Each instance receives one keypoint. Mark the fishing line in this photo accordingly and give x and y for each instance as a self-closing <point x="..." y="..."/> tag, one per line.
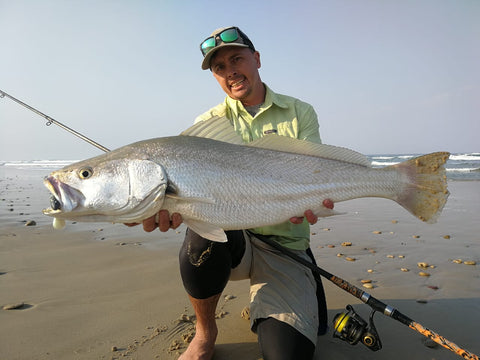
<point x="51" y="121"/>
<point x="348" y="326"/>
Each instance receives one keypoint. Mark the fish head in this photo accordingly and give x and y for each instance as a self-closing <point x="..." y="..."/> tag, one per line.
<point x="106" y="189"/>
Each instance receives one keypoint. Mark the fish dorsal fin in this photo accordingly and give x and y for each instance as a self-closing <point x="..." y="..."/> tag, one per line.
<point x="304" y="147"/>
<point x="221" y="128"/>
<point x="217" y="128"/>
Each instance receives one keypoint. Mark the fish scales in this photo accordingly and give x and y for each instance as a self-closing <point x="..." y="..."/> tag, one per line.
<point x="253" y="186"/>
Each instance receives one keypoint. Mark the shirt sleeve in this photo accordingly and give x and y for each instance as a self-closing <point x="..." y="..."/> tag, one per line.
<point x="219" y="110"/>
<point x="308" y="124"/>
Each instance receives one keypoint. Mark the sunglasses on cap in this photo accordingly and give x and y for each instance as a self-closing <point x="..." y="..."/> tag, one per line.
<point x="229" y="35"/>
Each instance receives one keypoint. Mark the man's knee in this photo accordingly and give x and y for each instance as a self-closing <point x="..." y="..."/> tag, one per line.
<point x="205" y="265"/>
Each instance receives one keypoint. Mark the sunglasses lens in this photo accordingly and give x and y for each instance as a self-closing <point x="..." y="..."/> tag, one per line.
<point x="208" y="45"/>
<point x="229" y="35"/>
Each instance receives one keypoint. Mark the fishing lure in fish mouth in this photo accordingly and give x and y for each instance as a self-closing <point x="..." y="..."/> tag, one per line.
<point x="58" y="224"/>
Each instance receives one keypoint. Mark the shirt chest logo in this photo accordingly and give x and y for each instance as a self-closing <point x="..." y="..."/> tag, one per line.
<point x="271" y="131"/>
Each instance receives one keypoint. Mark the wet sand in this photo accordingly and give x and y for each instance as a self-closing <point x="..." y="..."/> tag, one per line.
<point x="103" y="291"/>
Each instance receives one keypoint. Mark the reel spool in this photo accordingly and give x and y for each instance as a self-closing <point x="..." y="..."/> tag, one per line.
<point x="350" y="327"/>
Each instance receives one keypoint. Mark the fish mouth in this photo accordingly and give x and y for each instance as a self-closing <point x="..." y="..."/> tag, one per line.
<point x="64" y="198"/>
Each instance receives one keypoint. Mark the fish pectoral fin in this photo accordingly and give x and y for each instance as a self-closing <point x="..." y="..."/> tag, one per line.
<point x="206" y="230"/>
<point x="324" y="212"/>
<point x="191" y="199"/>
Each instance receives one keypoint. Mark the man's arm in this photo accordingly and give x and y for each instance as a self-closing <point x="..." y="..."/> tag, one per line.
<point x="308" y="124"/>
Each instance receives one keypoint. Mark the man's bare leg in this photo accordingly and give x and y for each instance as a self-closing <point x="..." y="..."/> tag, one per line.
<point x="203" y="344"/>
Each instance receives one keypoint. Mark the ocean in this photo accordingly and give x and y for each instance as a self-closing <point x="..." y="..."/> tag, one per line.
<point x="462" y="166"/>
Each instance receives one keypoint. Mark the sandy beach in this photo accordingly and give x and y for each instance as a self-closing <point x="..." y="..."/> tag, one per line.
<point x="103" y="291"/>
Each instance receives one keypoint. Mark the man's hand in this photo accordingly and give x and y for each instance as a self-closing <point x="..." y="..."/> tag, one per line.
<point x="311" y="217"/>
<point x="165" y="222"/>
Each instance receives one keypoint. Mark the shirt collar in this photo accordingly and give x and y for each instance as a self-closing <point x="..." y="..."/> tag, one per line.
<point x="270" y="99"/>
<point x="273" y="98"/>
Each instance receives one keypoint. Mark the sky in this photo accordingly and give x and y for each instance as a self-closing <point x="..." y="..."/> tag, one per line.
<point x="384" y="76"/>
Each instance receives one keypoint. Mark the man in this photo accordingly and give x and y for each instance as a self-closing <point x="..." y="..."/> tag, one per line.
<point x="287" y="304"/>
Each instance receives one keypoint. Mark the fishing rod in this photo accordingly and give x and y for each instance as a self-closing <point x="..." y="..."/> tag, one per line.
<point x="349" y="326"/>
<point x="51" y="121"/>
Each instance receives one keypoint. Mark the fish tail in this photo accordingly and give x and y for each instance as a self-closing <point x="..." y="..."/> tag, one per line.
<point x="425" y="193"/>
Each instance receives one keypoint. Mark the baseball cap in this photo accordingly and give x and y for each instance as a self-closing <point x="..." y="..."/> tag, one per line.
<point x="220" y="38"/>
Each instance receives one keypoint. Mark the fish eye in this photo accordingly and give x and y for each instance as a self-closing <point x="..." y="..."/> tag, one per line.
<point x="85" y="173"/>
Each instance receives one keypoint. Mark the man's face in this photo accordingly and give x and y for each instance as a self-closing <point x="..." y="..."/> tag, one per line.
<point x="236" y="70"/>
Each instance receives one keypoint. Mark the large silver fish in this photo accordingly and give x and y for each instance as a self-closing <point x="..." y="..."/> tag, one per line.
<point x="218" y="183"/>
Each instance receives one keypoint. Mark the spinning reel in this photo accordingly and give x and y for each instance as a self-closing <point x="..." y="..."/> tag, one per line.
<point x="350" y="327"/>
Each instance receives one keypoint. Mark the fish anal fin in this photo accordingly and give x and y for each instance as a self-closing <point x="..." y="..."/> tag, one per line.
<point x="206" y="231"/>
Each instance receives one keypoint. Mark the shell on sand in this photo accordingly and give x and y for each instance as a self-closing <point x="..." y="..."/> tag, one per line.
<point x="245" y="314"/>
